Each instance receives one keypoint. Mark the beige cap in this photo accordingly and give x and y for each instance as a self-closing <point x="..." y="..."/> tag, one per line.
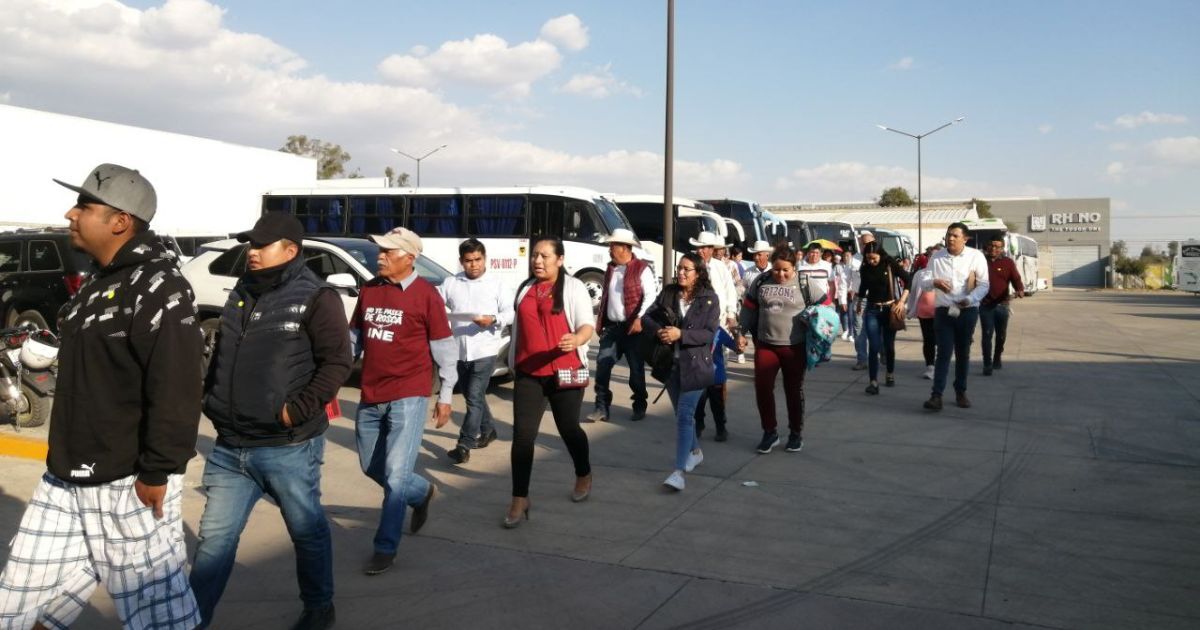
<point x="400" y="238"/>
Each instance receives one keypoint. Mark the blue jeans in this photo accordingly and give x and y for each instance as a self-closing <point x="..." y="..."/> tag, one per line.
<point x="685" y="422"/>
<point x="389" y="438"/>
<point x="860" y="337"/>
<point x="881" y="339"/>
<point x="234" y="480"/>
<point x="954" y="334"/>
<point x="993" y="318"/>
<point x="615" y="342"/>
<point x="473" y="378"/>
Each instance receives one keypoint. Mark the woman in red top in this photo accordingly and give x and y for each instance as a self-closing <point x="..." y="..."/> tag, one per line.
<point x="548" y="350"/>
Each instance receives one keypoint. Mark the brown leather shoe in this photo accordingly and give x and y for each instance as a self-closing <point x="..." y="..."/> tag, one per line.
<point x="962" y="400"/>
<point x="934" y="403"/>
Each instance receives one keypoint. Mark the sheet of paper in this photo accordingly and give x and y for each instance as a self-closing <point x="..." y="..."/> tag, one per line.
<point x="463" y="317"/>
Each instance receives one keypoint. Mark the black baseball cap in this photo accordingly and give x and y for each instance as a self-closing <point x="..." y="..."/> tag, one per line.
<point x="271" y="227"/>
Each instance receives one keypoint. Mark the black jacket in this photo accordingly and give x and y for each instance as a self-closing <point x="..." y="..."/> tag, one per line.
<point x="128" y="394"/>
<point x="698" y="328"/>
<point x="283" y="340"/>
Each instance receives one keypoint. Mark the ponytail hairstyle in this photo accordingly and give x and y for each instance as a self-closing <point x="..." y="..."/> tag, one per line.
<point x="562" y="272"/>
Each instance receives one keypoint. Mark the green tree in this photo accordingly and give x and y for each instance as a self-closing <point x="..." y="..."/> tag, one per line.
<point x="1118" y="249"/>
<point x="895" y="196"/>
<point x="983" y="208"/>
<point x="399" y="181"/>
<point x="1148" y="252"/>
<point x="1173" y="249"/>
<point x="1131" y="269"/>
<point x="331" y="158"/>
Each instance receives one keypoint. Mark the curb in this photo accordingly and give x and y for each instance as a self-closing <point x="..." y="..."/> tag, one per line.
<point x="26" y="448"/>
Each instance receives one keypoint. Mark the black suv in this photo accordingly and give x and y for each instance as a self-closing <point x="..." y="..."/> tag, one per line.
<point x="39" y="272"/>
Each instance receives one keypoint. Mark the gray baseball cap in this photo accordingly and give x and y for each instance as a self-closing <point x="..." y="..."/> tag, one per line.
<point x="122" y="188"/>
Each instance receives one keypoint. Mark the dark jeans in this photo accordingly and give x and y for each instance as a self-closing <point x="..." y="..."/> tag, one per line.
<point x="615" y="342"/>
<point x="473" y="378"/>
<point x="954" y="335"/>
<point x="993" y="318"/>
<point x="530" y="394"/>
<point x="234" y="480"/>
<point x="881" y="339"/>
<point x="769" y="360"/>
<point x="715" y="396"/>
<point x="928" y="340"/>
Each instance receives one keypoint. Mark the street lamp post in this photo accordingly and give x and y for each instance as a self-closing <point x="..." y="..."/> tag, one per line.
<point x="418" y="160"/>
<point x="920" y="198"/>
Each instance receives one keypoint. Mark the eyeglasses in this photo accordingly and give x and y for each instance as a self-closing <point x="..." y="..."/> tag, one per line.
<point x="685" y="270"/>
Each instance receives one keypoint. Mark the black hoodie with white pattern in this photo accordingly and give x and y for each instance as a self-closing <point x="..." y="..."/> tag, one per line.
<point x="129" y="375"/>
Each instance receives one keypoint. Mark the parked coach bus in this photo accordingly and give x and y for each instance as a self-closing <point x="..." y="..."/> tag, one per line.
<point x="645" y="213"/>
<point x="757" y="224"/>
<point x="503" y="218"/>
<point x="1022" y="249"/>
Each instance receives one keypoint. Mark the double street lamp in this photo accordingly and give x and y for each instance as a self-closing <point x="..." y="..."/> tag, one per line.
<point x="917" y="137"/>
<point x="418" y="160"/>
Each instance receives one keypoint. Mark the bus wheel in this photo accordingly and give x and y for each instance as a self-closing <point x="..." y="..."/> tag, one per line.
<point x="594" y="281"/>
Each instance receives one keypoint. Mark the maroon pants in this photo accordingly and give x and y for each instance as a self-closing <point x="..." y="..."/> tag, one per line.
<point x="768" y="361"/>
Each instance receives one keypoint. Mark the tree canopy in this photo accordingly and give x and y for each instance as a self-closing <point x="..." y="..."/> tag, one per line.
<point x="331" y="158"/>
<point x="895" y="196"/>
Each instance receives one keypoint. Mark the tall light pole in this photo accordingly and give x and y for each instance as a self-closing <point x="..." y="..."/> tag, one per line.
<point x="920" y="198"/>
<point x="418" y="160"/>
<point x="668" y="262"/>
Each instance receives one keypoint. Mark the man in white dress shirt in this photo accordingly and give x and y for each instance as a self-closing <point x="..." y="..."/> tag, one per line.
<point x="704" y="244"/>
<point x="480" y="306"/>
<point x="960" y="279"/>
<point x="629" y="291"/>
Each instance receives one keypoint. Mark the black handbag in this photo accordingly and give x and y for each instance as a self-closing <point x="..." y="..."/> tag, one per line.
<point x="658" y="356"/>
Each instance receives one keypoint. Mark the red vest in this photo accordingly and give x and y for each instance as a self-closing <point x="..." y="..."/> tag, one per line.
<point x="632" y="289"/>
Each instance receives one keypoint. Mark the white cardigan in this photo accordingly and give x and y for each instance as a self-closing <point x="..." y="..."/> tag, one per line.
<point x="577" y="306"/>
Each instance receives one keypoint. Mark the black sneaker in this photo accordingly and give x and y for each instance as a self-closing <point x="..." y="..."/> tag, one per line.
<point x="769" y="441"/>
<point x="484" y="440"/>
<point x="638" y="414"/>
<point x="987" y="370"/>
<point x="872" y="389"/>
<point x="794" y="443"/>
<point x="421" y="512"/>
<point x="997" y="364"/>
<point x="379" y="563"/>
<point x="460" y="455"/>
<point x="722" y="435"/>
<point x="316" y="619"/>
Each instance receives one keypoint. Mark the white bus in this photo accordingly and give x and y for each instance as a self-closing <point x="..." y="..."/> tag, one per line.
<point x="504" y="218"/>
<point x="1022" y="249"/>
<point x="645" y="213"/>
<point x="756" y="223"/>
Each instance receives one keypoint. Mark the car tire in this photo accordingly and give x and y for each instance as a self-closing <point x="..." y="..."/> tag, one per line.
<point x="38" y="408"/>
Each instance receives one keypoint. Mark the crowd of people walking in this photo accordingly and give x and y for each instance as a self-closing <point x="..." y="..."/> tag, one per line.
<point x="129" y="398"/>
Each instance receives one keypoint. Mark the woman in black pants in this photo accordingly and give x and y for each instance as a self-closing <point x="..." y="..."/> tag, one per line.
<point x="884" y="290"/>
<point x="548" y="352"/>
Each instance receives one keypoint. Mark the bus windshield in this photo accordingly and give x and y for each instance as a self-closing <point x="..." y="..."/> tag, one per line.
<point x="741" y="212"/>
<point x="836" y="232"/>
<point x="611" y="216"/>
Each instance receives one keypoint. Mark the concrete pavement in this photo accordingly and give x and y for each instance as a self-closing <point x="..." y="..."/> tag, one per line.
<point x="1068" y="496"/>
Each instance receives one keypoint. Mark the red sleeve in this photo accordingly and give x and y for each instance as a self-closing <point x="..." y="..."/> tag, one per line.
<point x="439" y="322"/>
<point x="1015" y="276"/>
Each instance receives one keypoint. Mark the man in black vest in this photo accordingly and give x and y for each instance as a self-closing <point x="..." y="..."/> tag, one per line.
<point x="281" y="355"/>
<point x="629" y="290"/>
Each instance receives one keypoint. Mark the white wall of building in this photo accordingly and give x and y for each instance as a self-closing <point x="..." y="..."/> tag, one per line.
<point x="204" y="186"/>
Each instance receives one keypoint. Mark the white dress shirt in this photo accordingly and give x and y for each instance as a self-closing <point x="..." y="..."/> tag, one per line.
<point x="616" y="294"/>
<point x="485" y="295"/>
<point x="722" y="282"/>
<point x="753" y="273"/>
<point x="957" y="269"/>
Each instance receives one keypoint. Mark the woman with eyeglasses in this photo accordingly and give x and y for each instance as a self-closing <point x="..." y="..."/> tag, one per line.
<point x="686" y="316"/>
<point x="548" y="349"/>
<point x="883" y="289"/>
<point x="771" y="314"/>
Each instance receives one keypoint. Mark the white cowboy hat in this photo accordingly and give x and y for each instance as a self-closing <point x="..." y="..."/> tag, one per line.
<point x="760" y="246"/>
<point x="626" y="237"/>
<point x="706" y="239"/>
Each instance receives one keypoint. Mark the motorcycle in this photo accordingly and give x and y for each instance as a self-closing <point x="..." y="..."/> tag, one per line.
<point x="27" y="375"/>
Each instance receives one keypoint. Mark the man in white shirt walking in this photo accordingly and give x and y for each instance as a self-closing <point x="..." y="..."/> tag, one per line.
<point x="480" y="306"/>
<point x="761" y="262"/>
<point x="722" y="281"/>
<point x="629" y="290"/>
<point x="819" y="272"/>
<point x="960" y="279"/>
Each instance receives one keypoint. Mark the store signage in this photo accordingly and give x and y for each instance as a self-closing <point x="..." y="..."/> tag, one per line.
<point x="1065" y="222"/>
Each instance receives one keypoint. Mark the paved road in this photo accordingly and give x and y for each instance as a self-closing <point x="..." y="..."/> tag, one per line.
<point x="1069" y="496"/>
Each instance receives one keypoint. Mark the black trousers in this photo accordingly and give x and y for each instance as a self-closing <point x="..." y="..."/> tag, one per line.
<point x="530" y="394"/>
<point x="715" y="396"/>
<point x="928" y="340"/>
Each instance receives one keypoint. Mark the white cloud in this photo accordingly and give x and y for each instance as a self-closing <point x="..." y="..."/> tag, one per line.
<point x="1116" y="171"/>
<point x="1133" y="121"/>
<point x="848" y="181"/>
<point x="904" y="63"/>
<point x="1183" y="151"/>
<point x="182" y="23"/>
<point x="598" y="84"/>
<point x="567" y="31"/>
<point x="484" y="60"/>
<point x="1045" y="128"/>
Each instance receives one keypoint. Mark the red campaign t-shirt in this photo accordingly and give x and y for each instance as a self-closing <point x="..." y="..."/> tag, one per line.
<point x="395" y="327"/>
<point x="540" y="330"/>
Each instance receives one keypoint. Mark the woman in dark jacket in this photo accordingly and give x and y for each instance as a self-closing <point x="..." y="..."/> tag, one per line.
<point x="884" y="289"/>
<point x="686" y="316"/>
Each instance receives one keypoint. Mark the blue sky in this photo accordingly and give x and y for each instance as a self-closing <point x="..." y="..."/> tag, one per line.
<point x="775" y="101"/>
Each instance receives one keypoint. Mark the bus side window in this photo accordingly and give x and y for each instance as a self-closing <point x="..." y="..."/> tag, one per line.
<point x="321" y="215"/>
<point x="579" y="225"/>
<point x="435" y="215"/>
<point x="278" y="204"/>
<point x="496" y="216"/>
<point x="546" y="217"/>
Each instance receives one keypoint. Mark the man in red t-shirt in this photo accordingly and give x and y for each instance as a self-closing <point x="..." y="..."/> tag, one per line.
<point x="993" y="308"/>
<point x="401" y="326"/>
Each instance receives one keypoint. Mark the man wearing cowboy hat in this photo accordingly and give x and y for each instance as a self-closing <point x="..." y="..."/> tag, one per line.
<point x="722" y="280"/>
<point x="762" y="261"/>
<point x="629" y="290"/>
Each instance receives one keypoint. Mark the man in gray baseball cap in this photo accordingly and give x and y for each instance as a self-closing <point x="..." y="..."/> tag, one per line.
<point x="119" y="187"/>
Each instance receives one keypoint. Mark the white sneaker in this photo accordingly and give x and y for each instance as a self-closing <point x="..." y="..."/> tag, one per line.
<point x="845" y="333"/>
<point x="693" y="460"/>
<point x="675" y="481"/>
<point x="741" y="357"/>
<point x="928" y="375"/>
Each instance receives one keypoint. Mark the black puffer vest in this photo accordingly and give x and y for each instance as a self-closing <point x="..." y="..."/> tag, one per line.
<point x="263" y="359"/>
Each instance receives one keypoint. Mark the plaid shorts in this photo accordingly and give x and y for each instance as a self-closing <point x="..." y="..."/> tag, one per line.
<point x="74" y="537"/>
